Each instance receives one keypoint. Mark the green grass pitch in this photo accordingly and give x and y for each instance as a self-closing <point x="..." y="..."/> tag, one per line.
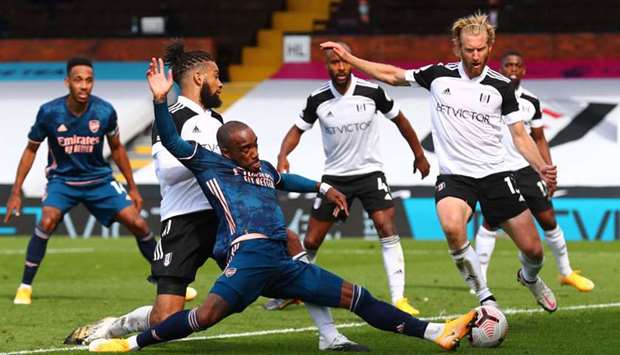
<point x="83" y="280"/>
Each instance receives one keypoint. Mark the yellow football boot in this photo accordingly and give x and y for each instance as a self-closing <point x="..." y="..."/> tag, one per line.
<point x="455" y="330"/>
<point x="110" y="346"/>
<point x="23" y="295"/>
<point x="579" y="282"/>
<point x="190" y="293"/>
<point x="403" y="305"/>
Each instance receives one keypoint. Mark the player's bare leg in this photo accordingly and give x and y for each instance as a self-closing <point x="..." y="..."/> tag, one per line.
<point x="130" y="218"/>
<point x="393" y="258"/>
<point x="522" y="231"/>
<point x="317" y="230"/>
<point x="389" y="318"/>
<point x="554" y="237"/>
<point x="378" y="314"/>
<point x="35" y="252"/>
<point x="453" y="214"/>
<point x="179" y="325"/>
<point x="164" y="307"/>
<point x="138" y="320"/>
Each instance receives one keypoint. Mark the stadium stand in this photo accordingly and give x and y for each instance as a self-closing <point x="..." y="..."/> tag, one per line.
<point x="233" y="23"/>
<point x="431" y="17"/>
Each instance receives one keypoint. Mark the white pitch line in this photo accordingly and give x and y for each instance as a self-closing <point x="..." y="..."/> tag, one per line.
<point x="509" y="311"/>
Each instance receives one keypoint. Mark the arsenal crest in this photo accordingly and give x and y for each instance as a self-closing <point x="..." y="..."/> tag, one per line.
<point x="93" y="125"/>
<point x="230" y="271"/>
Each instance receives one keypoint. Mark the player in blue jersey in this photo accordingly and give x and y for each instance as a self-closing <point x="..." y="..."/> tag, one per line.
<point x="252" y="237"/>
<point x="189" y="224"/>
<point x="75" y="126"/>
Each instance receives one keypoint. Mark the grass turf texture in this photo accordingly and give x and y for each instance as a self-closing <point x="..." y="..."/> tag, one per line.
<point x="83" y="280"/>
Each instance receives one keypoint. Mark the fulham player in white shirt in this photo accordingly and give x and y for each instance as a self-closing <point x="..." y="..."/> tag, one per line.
<point x="470" y="103"/>
<point x="347" y="109"/>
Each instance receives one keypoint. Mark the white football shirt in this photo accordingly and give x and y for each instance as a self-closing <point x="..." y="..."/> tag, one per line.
<point x="467" y="117"/>
<point x="529" y="105"/>
<point x="349" y="127"/>
<point x="180" y="193"/>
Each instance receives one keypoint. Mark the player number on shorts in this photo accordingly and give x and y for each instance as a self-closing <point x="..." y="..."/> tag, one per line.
<point x="381" y="185"/>
<point x="513" y="190"/>
<point x="118" y="187"/>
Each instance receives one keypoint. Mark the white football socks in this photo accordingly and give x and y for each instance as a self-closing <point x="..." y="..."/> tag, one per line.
<point x="134" y="321"/>
<point x="133" y="342"/>
<point x="485" y="244"/>
<point x="530" y="268"/>
<point x="467" y="263"/>
<point x="433" y="330"/>
<point x="555" y="240"/>
<point x="394" y="264"/>
<point x="323" y="320"/>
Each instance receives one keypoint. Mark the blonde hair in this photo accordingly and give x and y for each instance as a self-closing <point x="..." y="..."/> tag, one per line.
<point x="472" y="24"/>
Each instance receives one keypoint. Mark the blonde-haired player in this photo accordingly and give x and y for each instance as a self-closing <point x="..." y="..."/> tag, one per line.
<point x="470" y="104"/>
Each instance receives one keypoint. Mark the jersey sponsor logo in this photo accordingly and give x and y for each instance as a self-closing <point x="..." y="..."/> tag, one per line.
<point x="463" y="113"/>
<point x="360" y="107"/>
<point x="61" y="128"/>
<point x="259" y="178"/>
<point x="485" y="98"/>
<point x="94" y="125"/>
<point x="348" y="128"/>
<point x="78" y="144"/>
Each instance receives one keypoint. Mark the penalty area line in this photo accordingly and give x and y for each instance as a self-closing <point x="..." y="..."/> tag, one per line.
<point x="508" y="311"/>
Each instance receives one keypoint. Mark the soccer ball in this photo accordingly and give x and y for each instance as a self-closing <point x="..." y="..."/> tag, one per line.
<point x="489" y="329"/>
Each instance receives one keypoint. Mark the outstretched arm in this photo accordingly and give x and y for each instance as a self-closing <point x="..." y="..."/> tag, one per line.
<point x="298" y="183"/>
<point x="160" y="84"/>
<point x="384" y="72"/>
